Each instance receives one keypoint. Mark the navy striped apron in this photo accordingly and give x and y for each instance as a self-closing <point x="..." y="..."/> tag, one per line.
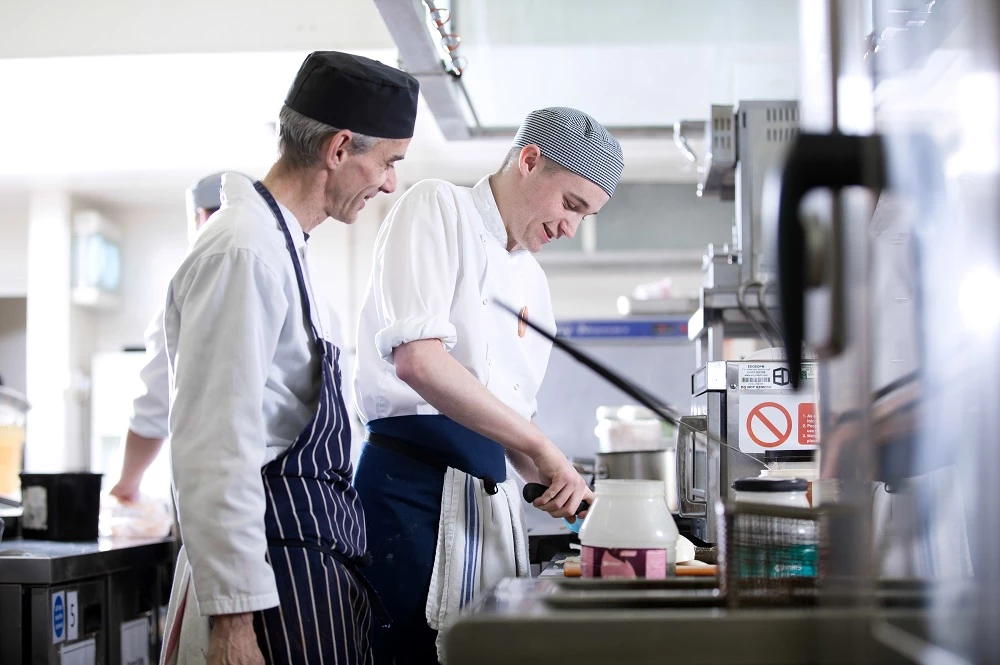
<point x="315" y="527"/>
<point x="400" y="479"/>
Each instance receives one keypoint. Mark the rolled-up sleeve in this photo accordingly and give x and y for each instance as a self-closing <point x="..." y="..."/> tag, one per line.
<point x="151" y="409"/>
<point x="417" y="270"/>
<point x="224" y="316"/>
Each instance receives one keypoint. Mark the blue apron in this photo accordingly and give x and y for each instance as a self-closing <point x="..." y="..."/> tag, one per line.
<point x="400" y="478"/>
<point x="315" y="527"/>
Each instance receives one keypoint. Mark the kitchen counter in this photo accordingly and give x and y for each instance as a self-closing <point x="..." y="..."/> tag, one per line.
<point x="555" y="619"/>
<point x="58" y="596"/>
<point x="44" y="562"/>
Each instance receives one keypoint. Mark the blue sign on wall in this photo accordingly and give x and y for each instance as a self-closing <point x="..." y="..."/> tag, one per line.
<point x="619" y="328"/>
<point x="58" y="618"/>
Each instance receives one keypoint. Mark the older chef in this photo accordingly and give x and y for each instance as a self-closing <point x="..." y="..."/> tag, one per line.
<point x="274" y="533"/>
<point x="446" y="379"/>
<point x="148" y="425"/>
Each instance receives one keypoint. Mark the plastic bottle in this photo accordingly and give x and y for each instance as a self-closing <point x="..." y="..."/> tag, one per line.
<point x="629" y="531"/>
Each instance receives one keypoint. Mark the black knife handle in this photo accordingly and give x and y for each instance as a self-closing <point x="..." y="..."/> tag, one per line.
<point x="532" y="491"/>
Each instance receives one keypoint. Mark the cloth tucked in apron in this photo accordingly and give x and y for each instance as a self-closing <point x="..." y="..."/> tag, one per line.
<point x="416" y="473"/>
<point x="315" y="528"/>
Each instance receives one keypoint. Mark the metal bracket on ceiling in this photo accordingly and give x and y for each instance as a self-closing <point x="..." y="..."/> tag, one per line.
<point x="419" y="54"/>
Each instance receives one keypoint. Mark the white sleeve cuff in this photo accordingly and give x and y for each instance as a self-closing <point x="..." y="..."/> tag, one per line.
<point x="149" y="427"/>
<point x="237" y="604"/>
<point x="411" y="330"/>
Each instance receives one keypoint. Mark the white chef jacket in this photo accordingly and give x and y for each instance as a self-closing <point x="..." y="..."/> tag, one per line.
<point x="441" y="267"/>
<point x="245" y="381"/>
<point x="151" y="408"/>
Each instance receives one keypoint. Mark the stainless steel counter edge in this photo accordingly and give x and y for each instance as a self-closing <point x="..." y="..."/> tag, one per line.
<point x="30" y="562"/>
<point x="514" y="624"/>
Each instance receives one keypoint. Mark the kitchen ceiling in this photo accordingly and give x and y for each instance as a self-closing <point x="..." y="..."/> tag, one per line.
<point x="150" y="109"/>
<point x="630" y="63"/>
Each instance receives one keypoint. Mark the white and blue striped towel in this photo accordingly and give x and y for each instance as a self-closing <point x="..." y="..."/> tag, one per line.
<point x="481" y="540"/>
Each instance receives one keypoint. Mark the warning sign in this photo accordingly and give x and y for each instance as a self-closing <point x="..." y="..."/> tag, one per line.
<point x="769" y="424"/>
<point x="807" y="424"/>
<point x="777" y="422"/>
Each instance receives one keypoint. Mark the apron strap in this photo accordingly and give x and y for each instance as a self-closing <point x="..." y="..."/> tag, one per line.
<point x="354" y="565"/>
<point x="290" y="244"/>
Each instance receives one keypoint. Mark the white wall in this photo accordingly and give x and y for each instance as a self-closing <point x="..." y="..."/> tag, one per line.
<point x="69" y="27"/>
<point x="585" y="294"/>
<point x="13" y="244"/>
<point x="13" y="340"/>
<point x="154" y="241"/>
<point x="52" y="421"/>
<point x="83" y="340"/>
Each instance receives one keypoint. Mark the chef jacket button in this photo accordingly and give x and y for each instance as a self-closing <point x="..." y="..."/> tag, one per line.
<point x="485" y="300"/>
<point x="516" y="386"/>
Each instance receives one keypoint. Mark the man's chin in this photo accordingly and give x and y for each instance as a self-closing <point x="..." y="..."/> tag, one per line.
<point x="348" y="218"/>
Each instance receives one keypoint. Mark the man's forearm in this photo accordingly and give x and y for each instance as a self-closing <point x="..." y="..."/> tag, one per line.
<point x="524" y="466"/>
<point x="140" y="451"/>
<point x="450" y="388"/>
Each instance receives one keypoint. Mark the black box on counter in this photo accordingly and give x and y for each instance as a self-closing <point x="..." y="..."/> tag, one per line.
<point x="60" y="506"/>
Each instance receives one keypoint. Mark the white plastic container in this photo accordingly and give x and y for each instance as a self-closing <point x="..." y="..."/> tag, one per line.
<point x="789" y="492"/>
<point x="629" y="531"/>
<point x="631" y="428"/>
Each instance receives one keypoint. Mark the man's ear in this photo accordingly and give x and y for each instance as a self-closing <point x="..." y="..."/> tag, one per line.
<point x="530" y="159"/>
<point x="335" y="148"/>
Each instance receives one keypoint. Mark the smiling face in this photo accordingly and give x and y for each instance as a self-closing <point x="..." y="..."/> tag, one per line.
<point x="552" y="201"/>
<point x="360" y="175"/>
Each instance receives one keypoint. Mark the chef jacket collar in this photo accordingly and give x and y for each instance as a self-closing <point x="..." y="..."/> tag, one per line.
<point x="482" y="194"/>
<point x="236" y="187"/>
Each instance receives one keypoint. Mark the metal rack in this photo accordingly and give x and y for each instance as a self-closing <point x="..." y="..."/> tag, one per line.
<point x="721" y="315"/>
<point x="746" y="141"/>
<point x="769" y="555"/>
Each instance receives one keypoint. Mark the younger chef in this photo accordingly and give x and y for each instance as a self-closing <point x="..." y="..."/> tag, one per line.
<point x="446" y="379"/>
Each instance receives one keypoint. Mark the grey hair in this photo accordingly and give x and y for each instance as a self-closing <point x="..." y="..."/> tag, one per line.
<point x="300" y="139"/>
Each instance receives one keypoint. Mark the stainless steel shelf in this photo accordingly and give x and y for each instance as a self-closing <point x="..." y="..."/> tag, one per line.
<point x="43" y="562"/>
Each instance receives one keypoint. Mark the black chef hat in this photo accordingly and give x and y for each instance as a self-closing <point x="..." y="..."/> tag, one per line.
<point x="351" y="92"/>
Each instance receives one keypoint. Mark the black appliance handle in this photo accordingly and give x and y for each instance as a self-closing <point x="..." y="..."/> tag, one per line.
<point x="814" y="161"/>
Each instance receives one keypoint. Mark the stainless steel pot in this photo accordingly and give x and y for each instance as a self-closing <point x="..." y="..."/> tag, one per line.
<point x="634" y="465"/>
